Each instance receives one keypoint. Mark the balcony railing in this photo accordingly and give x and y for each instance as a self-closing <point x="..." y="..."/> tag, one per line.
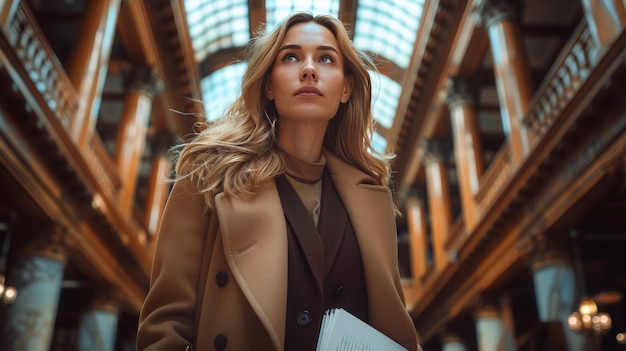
<point x="44" y="69"/>
<point x="561" y="83"/>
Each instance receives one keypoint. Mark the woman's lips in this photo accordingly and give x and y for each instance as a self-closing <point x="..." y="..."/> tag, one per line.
<point x="308" y="91"/>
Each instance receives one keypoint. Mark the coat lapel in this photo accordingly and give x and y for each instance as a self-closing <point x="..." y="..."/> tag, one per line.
<point x="255" y="245"/>
<point x="370" y="208"/>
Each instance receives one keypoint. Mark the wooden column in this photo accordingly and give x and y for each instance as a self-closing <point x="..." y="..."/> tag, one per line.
<point x="7" y="10"/>
<point x="418" y="237"/>
<point x="158" y="187"/>
<point x="131" y="137"/>
<point x="512" y="73"/>
<point x="89" y="65"/>
<point x="468" y="152"/>
<point x="438" y="200"/>
<point x="158" y="190"/>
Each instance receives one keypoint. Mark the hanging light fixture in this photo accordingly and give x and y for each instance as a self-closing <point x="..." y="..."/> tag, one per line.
<point x="588" y="320"/>
<point x="8" y="294"/>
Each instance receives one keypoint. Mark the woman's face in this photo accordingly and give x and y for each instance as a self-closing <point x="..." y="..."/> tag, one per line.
<point x="307" y="81"/>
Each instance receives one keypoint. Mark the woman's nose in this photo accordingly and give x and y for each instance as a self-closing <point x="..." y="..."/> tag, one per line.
<point x="308" y="70"/>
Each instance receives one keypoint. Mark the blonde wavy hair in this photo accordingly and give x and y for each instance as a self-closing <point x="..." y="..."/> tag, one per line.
<point x="236" y="154"/>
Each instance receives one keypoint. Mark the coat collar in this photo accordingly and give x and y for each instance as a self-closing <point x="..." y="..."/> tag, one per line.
<point x="255" y="241"/>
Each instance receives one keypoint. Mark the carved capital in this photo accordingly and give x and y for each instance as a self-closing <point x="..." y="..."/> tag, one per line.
<point x="491" y="12"/>
<point x="414" y="199"/>
<point x="107" y="298"/>
<point x="487" y="311"/>
<point x="435" y="150"/>
<point x="162" y="143"/>
<point x="145" y="79"/>
<point x="460" y="92"/>
<point x="451" y="338"/>
<point x="51" y="242"/>
<point x="549" y="252"/>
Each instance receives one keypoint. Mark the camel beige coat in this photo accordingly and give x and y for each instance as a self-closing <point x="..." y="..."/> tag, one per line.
<point x="247" y="240"/>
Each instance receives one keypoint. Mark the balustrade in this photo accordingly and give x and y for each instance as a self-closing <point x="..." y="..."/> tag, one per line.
<point x="561" y="83"/>
<point x="44" y="70"/>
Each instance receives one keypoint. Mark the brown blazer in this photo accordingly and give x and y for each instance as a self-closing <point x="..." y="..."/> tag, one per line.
<point x="219" y="277"/>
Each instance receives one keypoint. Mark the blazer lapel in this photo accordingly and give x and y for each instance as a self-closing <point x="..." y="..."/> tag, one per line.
<point x="255" y="245"/>
<point x="304" y="229"/>
<point x="332" y="224"/>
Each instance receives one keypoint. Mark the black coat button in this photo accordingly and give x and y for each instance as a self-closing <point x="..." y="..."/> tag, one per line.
<point x="304" y="318"/>
<point x="220" y="342"/>
<point x="339" y="292"/>
<point x="221" y="278"/>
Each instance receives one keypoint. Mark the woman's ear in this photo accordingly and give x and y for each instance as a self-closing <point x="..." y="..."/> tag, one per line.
<point x="269" y="94"/>
<point x="347" y="89"/>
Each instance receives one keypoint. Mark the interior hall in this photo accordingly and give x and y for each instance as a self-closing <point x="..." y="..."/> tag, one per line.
<point x="507" y="119"/>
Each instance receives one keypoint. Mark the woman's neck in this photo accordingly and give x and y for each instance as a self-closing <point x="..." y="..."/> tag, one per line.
<point x="303" y="143"/>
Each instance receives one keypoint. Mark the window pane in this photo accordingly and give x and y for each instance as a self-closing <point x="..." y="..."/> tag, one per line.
<point x="221" y="88"/>
<point x="215" y="25"/>
<point x="385" y="95"/>
<point x="388" y="28"/>
<point x="379" y="143"/>
<point x="277" y="10"/>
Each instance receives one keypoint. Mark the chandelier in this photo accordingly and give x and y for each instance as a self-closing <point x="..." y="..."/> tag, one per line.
<point x="588" y="320"/>
<point x="7" y="293"/>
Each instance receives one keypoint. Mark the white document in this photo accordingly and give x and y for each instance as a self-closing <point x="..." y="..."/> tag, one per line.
<point x="341" y="331"/>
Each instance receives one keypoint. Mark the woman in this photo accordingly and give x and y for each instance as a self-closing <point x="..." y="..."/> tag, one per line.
<point x="279" y="212"/>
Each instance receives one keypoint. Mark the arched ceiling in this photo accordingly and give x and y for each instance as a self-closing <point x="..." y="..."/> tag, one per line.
<point x="384" y="29"/>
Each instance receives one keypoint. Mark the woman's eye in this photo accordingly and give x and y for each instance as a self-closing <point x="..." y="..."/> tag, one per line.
<point x="326" y="59"/>
<point x="290" y="58"/>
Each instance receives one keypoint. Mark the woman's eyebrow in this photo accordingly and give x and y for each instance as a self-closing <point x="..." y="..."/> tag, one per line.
<point x="299" y="47"/>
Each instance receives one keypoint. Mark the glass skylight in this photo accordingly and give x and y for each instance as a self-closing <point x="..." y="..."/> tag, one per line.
<point x="217" y="24"/>
<point x="277" y="10"/>
<point x="385" y="95"/>
<point x="379" y="143"/>
<point x="388" y="28"/>
<point x="221" y="88"/>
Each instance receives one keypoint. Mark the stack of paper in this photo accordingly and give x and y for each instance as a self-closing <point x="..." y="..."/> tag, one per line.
<point x="341" y="331"/>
